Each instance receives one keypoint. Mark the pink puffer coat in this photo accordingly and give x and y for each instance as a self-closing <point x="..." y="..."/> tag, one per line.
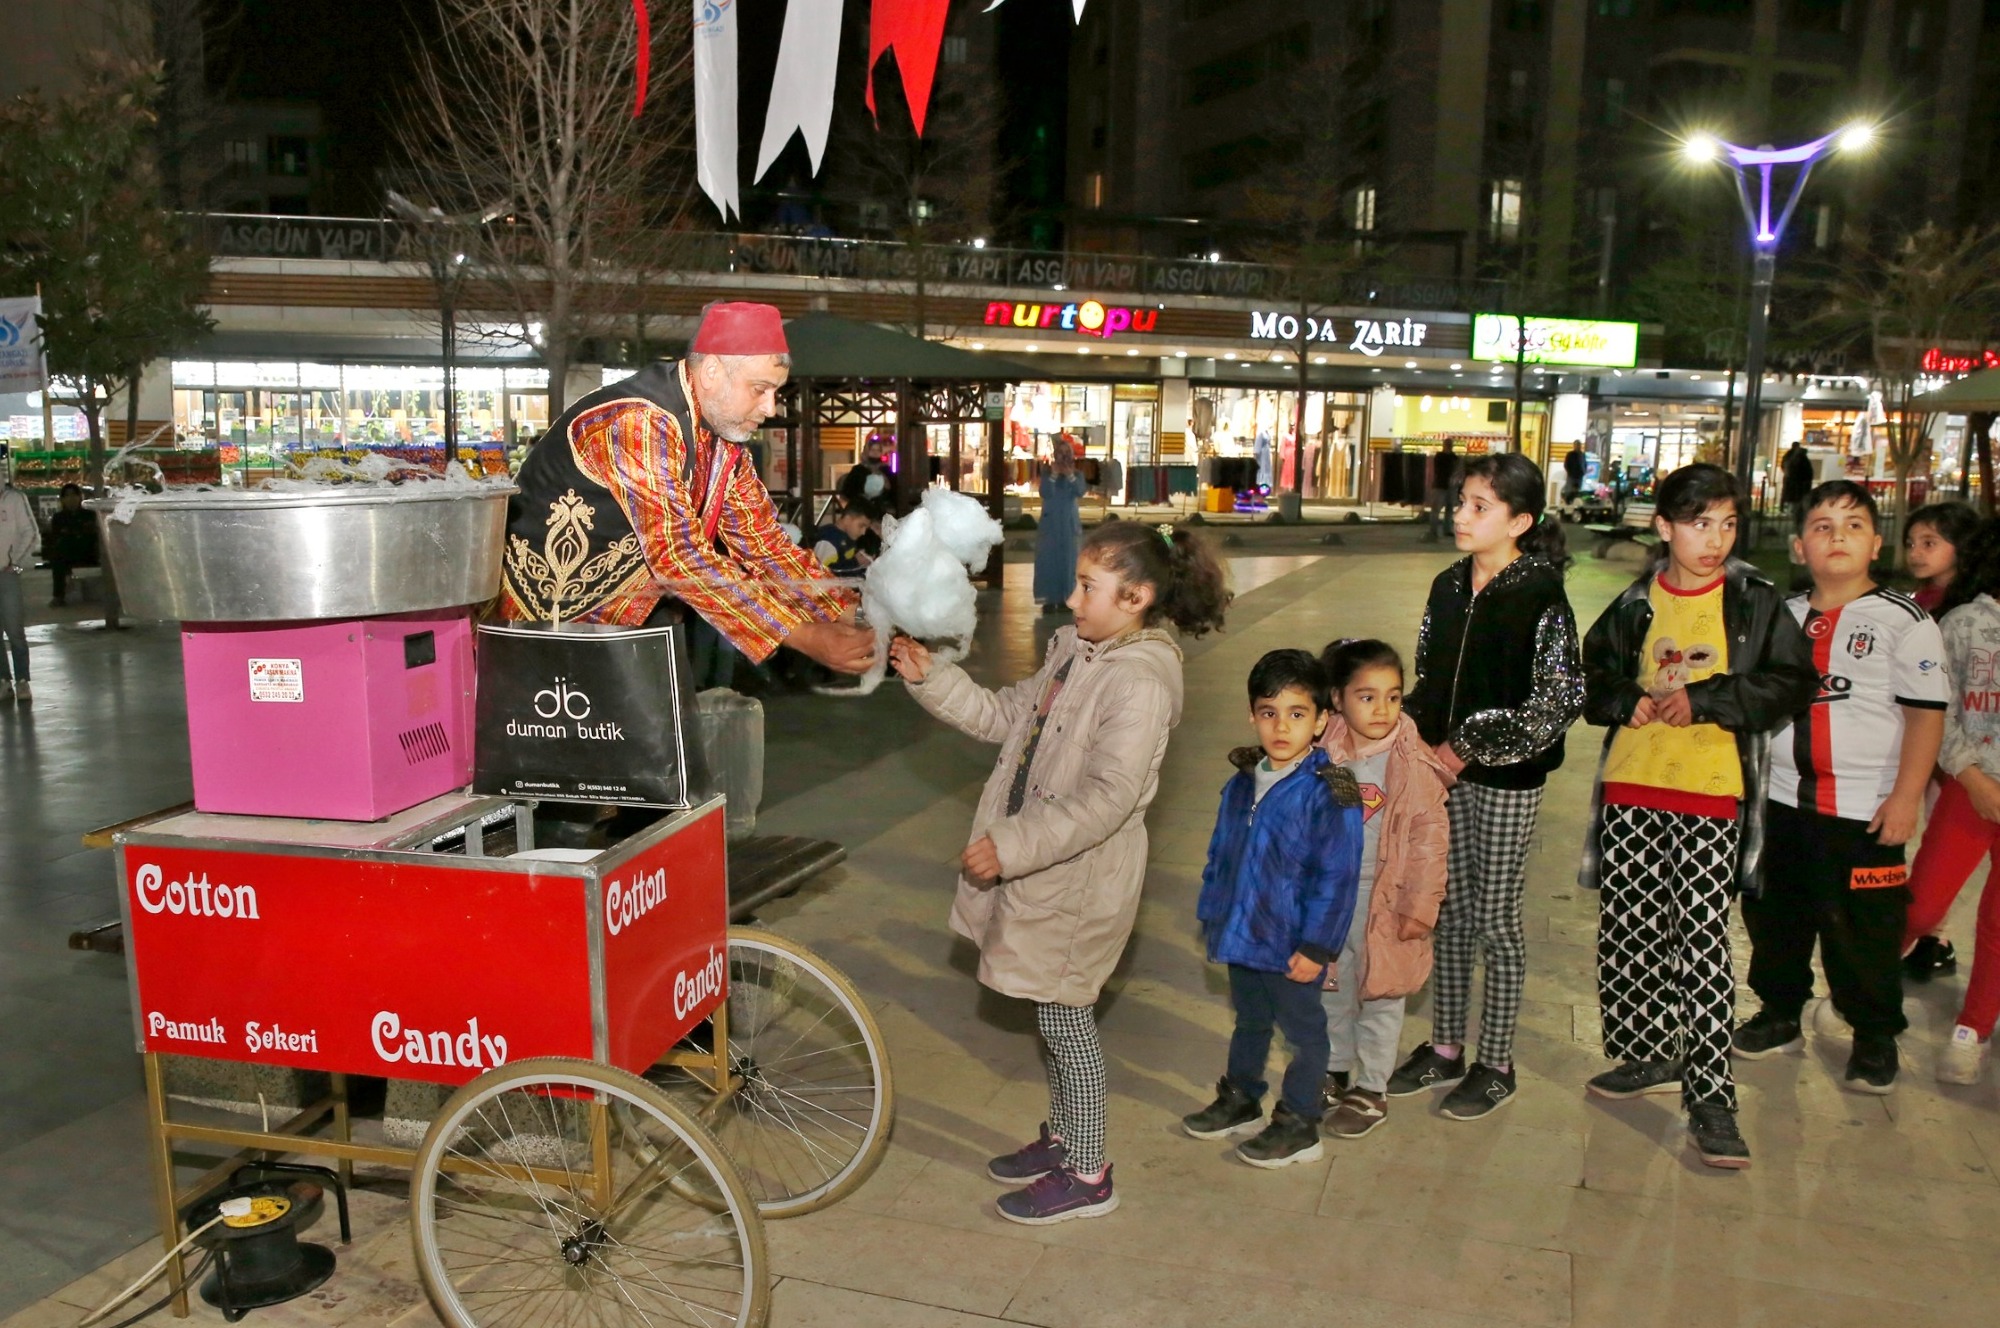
<point x="1410" y="866"/>
<point x="1073" y="858"/>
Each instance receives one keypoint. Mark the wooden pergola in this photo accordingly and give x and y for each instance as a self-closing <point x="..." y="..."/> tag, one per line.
<point x="847" y="374"/>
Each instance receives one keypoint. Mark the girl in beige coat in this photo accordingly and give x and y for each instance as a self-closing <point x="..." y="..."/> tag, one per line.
<point x="1049" y="887"/>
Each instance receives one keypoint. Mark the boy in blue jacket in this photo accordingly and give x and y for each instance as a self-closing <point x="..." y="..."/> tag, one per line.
<point x="1277" y="896"/>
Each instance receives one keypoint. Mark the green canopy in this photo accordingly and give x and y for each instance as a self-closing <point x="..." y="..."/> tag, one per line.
<point x="828" y="347"/>
<point x="1975" y="391"/>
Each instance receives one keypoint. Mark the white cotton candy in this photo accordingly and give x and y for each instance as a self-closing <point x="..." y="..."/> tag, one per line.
<point x="963" y="526"/>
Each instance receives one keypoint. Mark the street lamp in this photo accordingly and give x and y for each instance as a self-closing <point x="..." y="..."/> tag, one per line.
<point x="1765" y="232"/>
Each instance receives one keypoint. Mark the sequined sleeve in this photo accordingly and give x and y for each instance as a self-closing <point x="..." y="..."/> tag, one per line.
<point x="1505" y="735"/>
<point x="1417" y="697"/>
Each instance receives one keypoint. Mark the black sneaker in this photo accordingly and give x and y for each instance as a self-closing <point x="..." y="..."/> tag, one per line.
<point x="1930" y="956"/>
<point x="1423" y="1069"/>
<point x="1765" y="1034"/>
<point x="1334" y="1090"/>
<point x="1713" y="1133"/>
<point x="1287" y="1139"/>
<point x="1483" y="1090"/>
<point x="1637" y="1079"/>
<point x="1231" y="1111"/>
<point x="1871" y="1068"/>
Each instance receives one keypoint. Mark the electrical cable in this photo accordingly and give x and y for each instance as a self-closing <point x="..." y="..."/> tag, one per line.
<point x="154" y="1271"/>
<point x="207" y="1258"/>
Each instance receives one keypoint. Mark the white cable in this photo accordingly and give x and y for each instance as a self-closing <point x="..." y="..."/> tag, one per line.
<point x="154" y="1271"/>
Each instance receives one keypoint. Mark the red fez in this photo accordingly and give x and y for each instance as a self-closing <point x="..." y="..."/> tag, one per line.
<point x="739" y="328"/>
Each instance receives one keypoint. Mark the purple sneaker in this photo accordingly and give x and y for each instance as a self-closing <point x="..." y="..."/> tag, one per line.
<point x="1058" y="1197"/>
<point x="1029" y="1161"/>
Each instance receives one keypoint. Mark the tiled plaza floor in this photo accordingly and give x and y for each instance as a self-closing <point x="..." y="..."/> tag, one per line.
<point x="1559" y="1210"/>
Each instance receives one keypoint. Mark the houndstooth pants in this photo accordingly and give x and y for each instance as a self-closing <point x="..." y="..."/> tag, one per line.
<point x="1075" y="1062"/>
<point x="1491" y="832"/>
<point x="1663" y="978"/>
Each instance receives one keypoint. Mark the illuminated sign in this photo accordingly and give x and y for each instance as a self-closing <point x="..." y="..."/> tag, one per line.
<point x="1089" y="318"/>
<point x="1368" y="336"/>
<point x="1557" y="341"/>
<point x="1938" y="360"/>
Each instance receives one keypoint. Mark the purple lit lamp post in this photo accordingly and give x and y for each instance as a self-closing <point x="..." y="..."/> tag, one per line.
<point x="1765" y="232"/>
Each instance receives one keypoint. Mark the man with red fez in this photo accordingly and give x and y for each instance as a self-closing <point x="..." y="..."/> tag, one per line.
<point x="642" y="501"/>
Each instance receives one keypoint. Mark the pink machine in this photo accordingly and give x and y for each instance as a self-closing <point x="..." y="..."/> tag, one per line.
<point x="351" y="720"/>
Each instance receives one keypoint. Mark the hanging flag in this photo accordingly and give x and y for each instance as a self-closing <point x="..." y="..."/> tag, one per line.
<point x="802" y="89"/>
<point x="916" y="29"/>
<point x="21" y="363"/>
<point x="642" y="21"/>
<point x="715" y="103"/>
<point x="1077" y="3"/>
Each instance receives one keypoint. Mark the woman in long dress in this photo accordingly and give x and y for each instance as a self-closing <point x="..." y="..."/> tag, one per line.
<point x="1060" y="530"/>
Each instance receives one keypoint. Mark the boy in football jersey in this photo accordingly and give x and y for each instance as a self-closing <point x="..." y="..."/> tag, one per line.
<point x="1847" y="782"/>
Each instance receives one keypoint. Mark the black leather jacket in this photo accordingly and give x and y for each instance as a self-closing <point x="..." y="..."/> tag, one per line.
<point x="1770" y="679"/>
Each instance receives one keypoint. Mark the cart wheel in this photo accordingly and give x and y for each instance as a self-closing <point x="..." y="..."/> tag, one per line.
<point x="559" y="1190"/>
<point x="812" y="1116"/>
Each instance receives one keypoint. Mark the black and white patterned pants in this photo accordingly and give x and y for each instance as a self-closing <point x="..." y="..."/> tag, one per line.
<point x="1075" y="1061"/>
<point x="1664" y="983"/>
<point x="1491" y="833"/>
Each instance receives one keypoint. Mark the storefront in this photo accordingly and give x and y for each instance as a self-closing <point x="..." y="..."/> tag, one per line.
<point x="258" y="416"/>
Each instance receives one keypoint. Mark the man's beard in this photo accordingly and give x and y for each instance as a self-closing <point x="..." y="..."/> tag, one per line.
<point x="733" y="431"/>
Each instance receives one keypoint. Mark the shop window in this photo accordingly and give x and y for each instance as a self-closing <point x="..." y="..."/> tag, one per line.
<point x="1361" y="207"/>
<point x="1093" y="189"/>
<point x="1503" y="212"/>
<point x="239" y="155"/>
<point x="1517" y="94"/>
<point x="1614" y="101"/>
<point x="957" y="50"/>
<point x="289" y="154"/>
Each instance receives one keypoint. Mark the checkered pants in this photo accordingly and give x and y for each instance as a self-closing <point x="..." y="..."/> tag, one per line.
<point x="1491" y="833"/>
<point x="1663" y="976"/>
<point x="1075" y="1062"/>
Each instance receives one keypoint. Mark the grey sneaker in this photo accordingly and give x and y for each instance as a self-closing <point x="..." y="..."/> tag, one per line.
<point x="1060" y="1196"/>
<point x="1029" y="1161"/>
<point x="1483" y="1091"/>
<point x="1287" y="1139"/>
<point x="1423" y="1069"/>
<point x="1231" y="1111"/>
<point x="1765" y="1034"/>
<point x="1637" y="1079"/>
<point x="23" y="694"/>
<point x="1712" y="1132"/>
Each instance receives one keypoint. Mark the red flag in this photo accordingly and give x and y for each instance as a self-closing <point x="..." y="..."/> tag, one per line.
<point x="644" y="20"/>
<point x="916" y="29"/>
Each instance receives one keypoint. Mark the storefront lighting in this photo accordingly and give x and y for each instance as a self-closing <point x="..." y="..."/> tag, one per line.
<point x="1409" y="364"/>
<point x="1083" y="350"/>
<point x="1319" y="359"/>
<point x="1457" y="366"/>
<point x="1229" y="355"/>
<point x="1060" y="286"/>
<point x="1180" y="354"/>
<point x="1215" y="256"/>
<point x="1694" y="377"/>
<point x="1132" y="354"/>
<point x="1033" y="346"/>
<point x="979" y="345"/>
<point x="979" y="242"/>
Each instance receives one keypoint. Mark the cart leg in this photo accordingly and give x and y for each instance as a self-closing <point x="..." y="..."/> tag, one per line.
<point x="600" y="1153"/>
<point x="162" y="1149"/>
<point x="719" y="1023"/>
<point x="343" y="1129"/>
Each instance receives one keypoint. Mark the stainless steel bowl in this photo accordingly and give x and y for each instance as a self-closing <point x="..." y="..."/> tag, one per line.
<point x="234" y="556"/>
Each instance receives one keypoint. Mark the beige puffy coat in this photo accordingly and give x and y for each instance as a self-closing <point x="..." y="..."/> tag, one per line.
<point x="1073" y="859"/>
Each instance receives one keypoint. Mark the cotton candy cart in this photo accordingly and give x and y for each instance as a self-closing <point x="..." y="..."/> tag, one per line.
<point x="637" y="1085"/>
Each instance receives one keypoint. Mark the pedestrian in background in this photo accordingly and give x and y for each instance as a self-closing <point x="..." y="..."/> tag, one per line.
<point x="18" y="537"/>
<point x="1437" y="494"/>
<point x="1061" y="527"/>
<point x="1798" y="482"/>
<point x="1049" y="885"/>
<point x="72" y="541"/>
<point x="1690" y="669"/>
<point x="1498" y="684"/>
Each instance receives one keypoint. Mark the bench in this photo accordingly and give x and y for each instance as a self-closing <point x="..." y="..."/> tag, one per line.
<point x="1635" y="525"/>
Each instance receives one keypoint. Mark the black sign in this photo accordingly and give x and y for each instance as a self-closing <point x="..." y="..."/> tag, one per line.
<point x="584" y="713"/>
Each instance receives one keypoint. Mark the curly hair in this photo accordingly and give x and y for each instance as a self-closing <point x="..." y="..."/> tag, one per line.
<point x="1190" y="586"/>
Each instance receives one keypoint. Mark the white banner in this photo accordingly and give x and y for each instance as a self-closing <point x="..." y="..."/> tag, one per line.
<point x="715" y="103"/>
<point x="802" y="88"/>
<point x="21" y="344"/>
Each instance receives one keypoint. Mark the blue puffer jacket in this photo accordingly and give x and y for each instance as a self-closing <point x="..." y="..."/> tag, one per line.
<point x="1282" y="874"/>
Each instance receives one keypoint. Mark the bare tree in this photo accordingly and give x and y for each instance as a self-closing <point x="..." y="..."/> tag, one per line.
<point x="1934" y="287"/>
<point x="520" y="124"/>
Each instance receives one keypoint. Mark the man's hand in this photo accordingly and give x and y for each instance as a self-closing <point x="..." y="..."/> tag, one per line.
<point x="1674" y="709"/>
<point x="1982" y="791"/>
<point x="1411" y="929"/>
<point x="981" y="860"/>
<point x="909" y="658"/>
<point x="1303" y="969"/>
<point x="1897" y="820"/>
<point x="1643" y="714"/>
<point x="840" y="647"/>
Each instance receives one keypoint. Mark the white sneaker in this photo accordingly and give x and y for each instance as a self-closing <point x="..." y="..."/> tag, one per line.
<point x="1827" y="1022"/>
<point x="24" y="693"/>
<point x="1962" y="1058"/>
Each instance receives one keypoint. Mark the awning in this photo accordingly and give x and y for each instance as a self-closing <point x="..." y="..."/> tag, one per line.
<point x="825" y="346"/>
<point x="1975" y="391"/>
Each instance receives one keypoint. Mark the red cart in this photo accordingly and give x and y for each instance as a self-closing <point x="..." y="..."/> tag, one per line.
<point x="638" y="1084"/>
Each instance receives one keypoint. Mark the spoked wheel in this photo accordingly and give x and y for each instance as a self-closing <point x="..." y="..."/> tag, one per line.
<point x="810" y="1118"/>
<point x="558" y="1192"/>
